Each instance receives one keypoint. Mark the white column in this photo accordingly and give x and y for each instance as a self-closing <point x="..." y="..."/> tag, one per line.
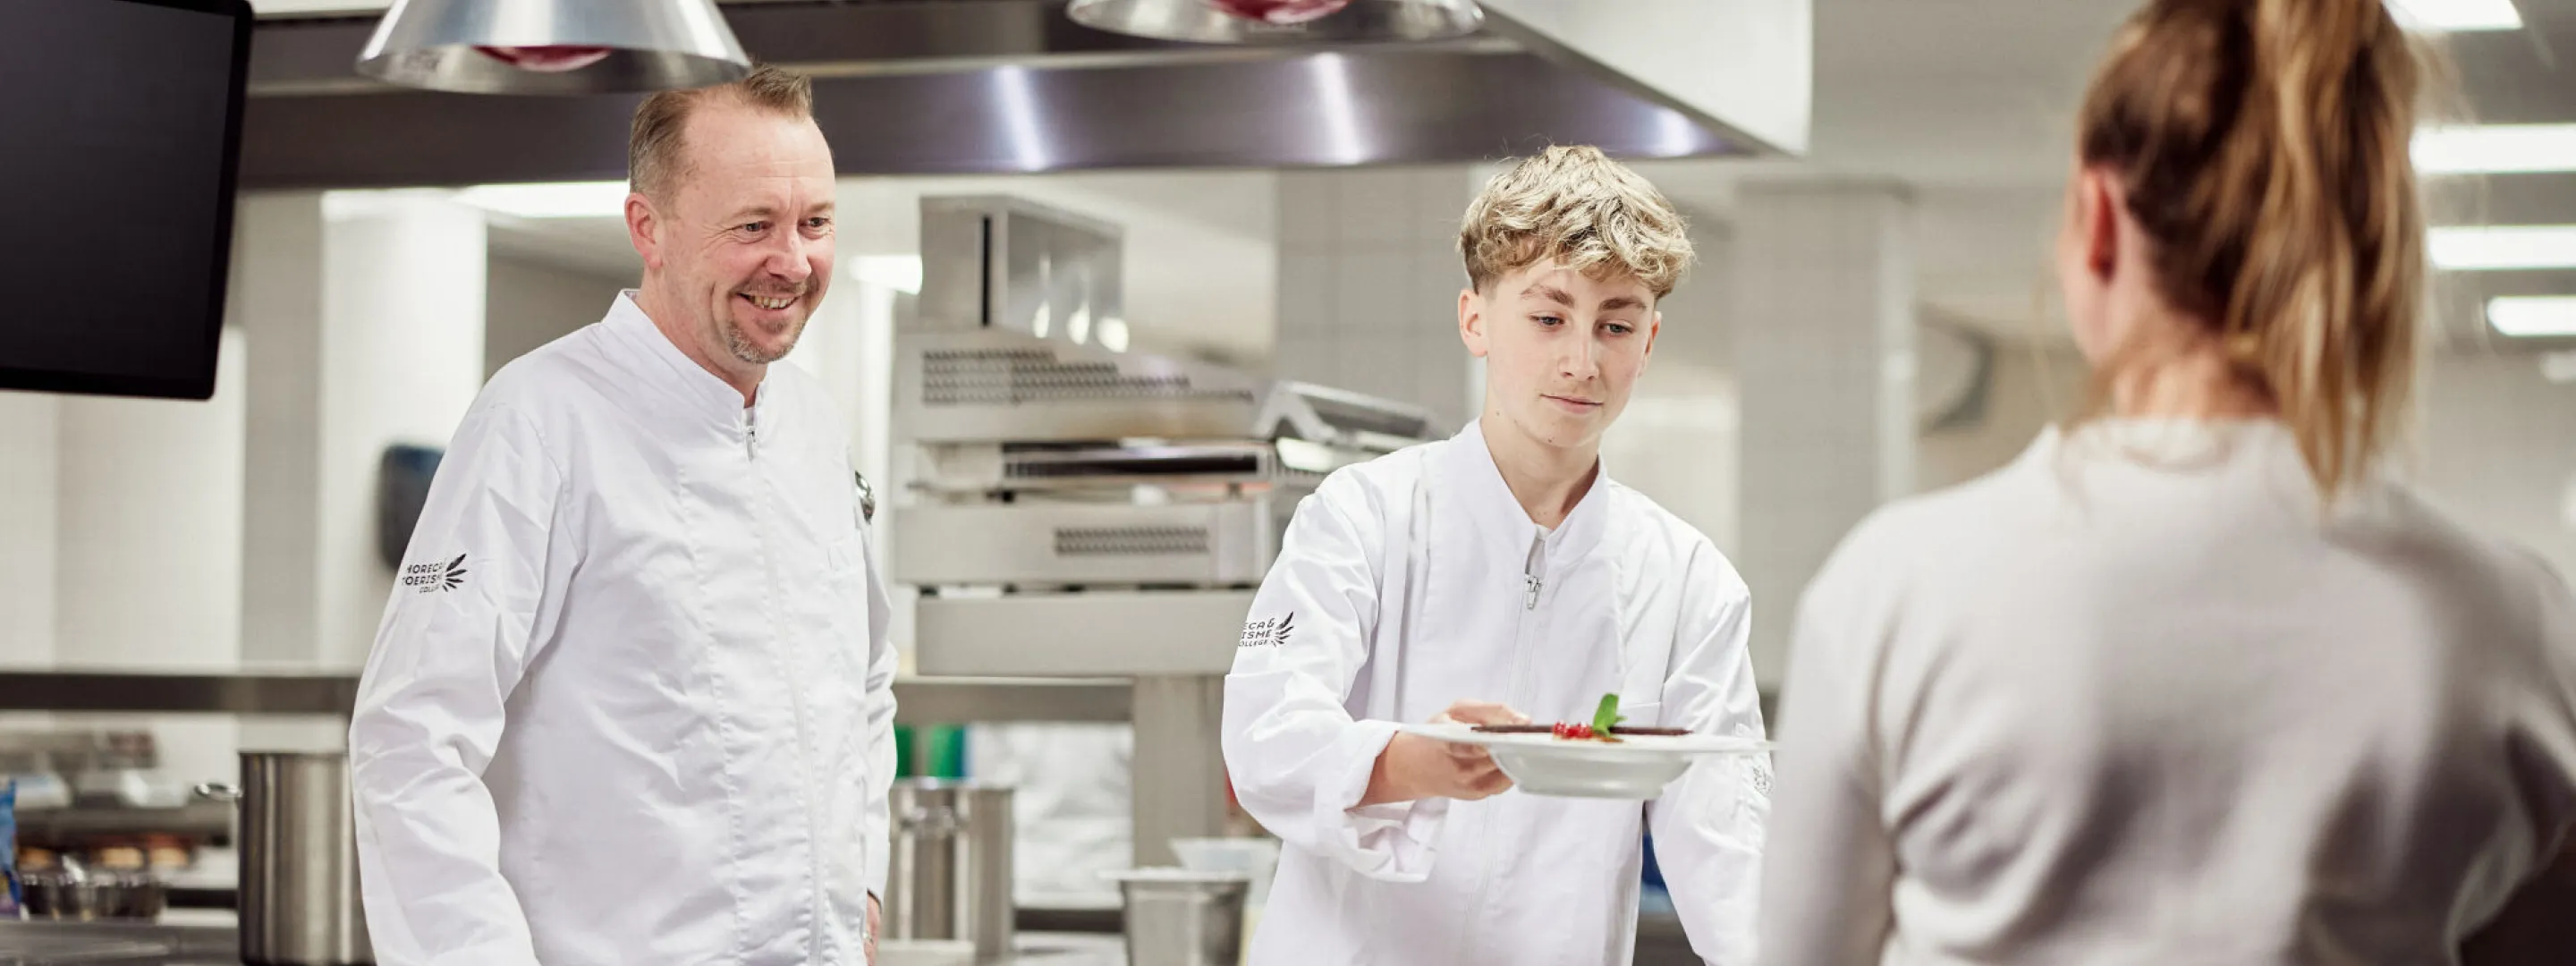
<point x="365" y="318"/>
<point x="402" y="358"/>
<point x="277" y="301"/>
<point x="1369" y="276"/>
<point x="1677" y="442"/>
<point x="1823" y="345"/>
<point x="365" y="327"/>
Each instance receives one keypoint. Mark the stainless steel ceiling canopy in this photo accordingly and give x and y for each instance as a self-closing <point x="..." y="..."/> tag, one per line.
<point x="984" y="86"/>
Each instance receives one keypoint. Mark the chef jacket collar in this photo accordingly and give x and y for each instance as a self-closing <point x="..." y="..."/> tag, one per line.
<point x="1495" y="510"/>
<point x="691" y="385"/>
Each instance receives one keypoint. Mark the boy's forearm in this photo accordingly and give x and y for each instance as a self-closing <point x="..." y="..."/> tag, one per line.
<point x="1385" y="784"/>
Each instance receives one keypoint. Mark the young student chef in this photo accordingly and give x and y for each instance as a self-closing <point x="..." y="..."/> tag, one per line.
<point x="1489" y="578"/>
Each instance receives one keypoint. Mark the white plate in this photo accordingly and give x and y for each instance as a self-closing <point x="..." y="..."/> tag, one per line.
<point x="1637" y="767"/>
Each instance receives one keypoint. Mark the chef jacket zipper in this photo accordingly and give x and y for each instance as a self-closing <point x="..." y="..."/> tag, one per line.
<point x="1531" y="583"/>
<point x="796" y="705"/>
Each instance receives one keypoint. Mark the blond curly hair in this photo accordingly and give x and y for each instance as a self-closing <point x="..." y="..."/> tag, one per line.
<point x="1573" y="205"/>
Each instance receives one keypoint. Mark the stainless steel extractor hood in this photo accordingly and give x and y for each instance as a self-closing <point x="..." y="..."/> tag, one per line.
<point x="991" y="86"/>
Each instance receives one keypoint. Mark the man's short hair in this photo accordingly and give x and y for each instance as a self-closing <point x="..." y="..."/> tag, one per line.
<point x="1576" y="206"/>
<point x="656" y="158"/>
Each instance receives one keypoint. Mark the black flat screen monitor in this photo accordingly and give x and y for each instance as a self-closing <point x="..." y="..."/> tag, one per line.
<point x="120" y="123"/>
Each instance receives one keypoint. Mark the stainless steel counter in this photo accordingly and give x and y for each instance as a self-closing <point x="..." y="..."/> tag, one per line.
<point x="202" y="942"/>
<point x="206" y="938"/>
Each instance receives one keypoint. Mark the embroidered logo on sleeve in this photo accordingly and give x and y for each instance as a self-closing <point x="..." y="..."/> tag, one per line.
<point x="1267" y="632"/>
<point x="436" y="577"/>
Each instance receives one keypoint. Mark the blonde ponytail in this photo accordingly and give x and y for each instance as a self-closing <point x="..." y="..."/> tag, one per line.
<point x="2263" y="145"/>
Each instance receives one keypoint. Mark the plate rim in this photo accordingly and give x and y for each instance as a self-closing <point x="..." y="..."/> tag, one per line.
<point x="1465" y="734"/>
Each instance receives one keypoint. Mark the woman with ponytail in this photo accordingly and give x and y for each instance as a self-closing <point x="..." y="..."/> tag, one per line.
<point x="2193" y="681"/>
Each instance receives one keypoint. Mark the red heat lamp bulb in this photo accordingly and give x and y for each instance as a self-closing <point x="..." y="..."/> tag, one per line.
<point x="551" y="59"/>
<point x="1280" y="12"/>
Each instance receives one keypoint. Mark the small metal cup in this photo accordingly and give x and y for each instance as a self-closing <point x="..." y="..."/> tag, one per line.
<point x="1177" y="917"/>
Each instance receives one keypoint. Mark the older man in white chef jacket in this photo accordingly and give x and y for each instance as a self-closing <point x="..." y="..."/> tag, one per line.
<point x="631" y="702"/>
<point x="1495" y="571"/>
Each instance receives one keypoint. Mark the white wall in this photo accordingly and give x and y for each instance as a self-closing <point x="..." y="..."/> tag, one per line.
<point x="30" y="428"/>
<point x="529" y="303"/>
<point x="2033" y="386"/>
<point x="149" y="523"/>
<point x="1677" y="444"/>
<point x="2496" y="441"/>
<point x="2499" y="448"/>
<point x="1678" y="441"/>
<point x="1368" y="284"/>
<point x="1822" y="316"/>
<point x="149" y="551"/>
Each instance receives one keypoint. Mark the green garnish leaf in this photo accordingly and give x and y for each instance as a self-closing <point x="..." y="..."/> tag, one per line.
<point x="1607" y="716"/>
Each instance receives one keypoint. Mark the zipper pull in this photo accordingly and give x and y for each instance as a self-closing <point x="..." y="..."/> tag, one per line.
<point x="1533" y="590"/>
<point x="751" y="441"/>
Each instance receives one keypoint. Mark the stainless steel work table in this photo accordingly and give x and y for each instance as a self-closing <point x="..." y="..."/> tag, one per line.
<point x="204" y="942"/>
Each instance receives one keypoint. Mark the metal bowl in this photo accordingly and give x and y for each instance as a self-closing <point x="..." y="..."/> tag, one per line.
<point x="60" y="896"/>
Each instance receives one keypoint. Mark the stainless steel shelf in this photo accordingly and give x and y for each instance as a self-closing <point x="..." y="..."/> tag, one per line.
<point x="144" y="693"/>
<point x="195" y="820"/>
<point x="973" y="699"/>
<point x="917" y="700"/>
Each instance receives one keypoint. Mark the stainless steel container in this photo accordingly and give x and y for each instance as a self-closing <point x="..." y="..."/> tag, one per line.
<point x="1176" y="917"/>
<point x="950" y="874"/>
<point x="73" y="895"/>
<point x="299" y="861"/>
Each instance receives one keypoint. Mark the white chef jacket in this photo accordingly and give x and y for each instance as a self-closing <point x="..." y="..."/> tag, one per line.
<point x="631" y="702"/>
<point x="2135" y="699"/>
<point x="1417" y="580"/>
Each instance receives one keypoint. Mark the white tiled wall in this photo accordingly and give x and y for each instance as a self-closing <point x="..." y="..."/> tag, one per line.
<point x="1369" y="278"/>
<point x="1823" y="327"/>
<point x="277" y="302"/>
<point x="149" y="521"/>
<point x="148" y="561"/>
<point x="30" y="427"/>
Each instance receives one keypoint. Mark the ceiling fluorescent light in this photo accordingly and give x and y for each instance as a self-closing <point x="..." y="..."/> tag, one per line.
<point x="2533" y="316"/>
<point x="2560" y="367"/>
<point x="2496" y="149"/>
<point x="2504" y="248"/>
<point x="2456" y="15"/>
<point x="564" y="199"/>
